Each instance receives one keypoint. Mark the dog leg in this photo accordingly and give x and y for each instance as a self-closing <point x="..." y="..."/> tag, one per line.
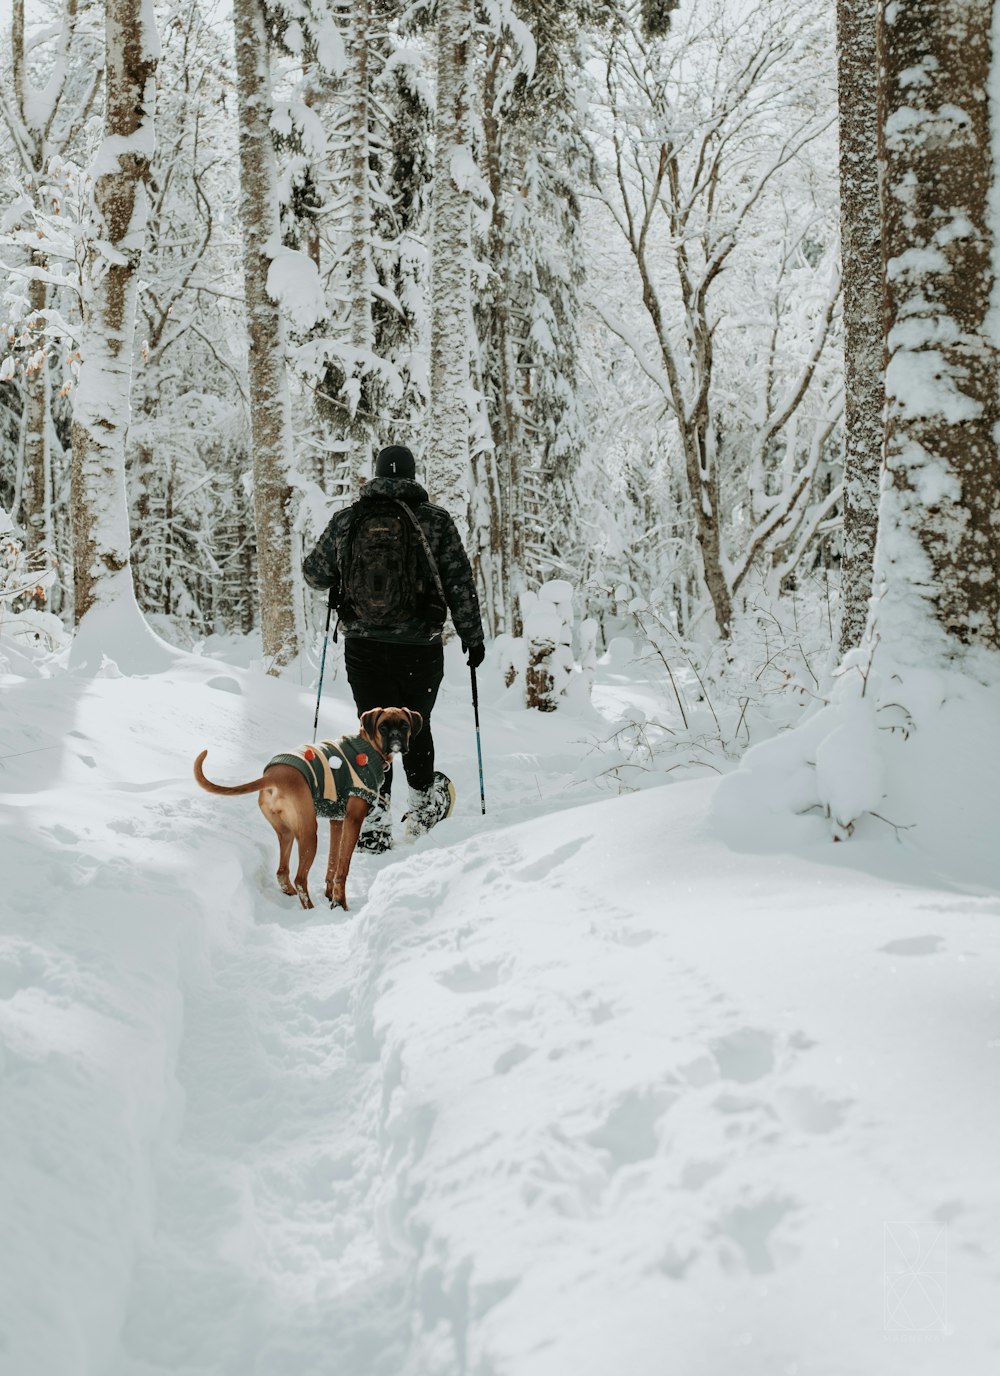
<point x="331" y="864"/>
<point x="357" y="811"/>
<point x="307" y="854"/>
<point x="285" y="838"/>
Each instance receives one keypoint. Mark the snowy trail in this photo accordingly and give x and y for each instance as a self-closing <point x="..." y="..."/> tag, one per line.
<point x="268" y="1240"/>
<point x="262" y="1251"/>
<point x="574" y="1089"/>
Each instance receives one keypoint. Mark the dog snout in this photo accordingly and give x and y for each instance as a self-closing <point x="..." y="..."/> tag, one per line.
<point x="397" y="740"/>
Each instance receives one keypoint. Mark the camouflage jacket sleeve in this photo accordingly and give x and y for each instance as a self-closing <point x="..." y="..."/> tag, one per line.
<point x="457" y="580"/>
<point x="321" y="567"/>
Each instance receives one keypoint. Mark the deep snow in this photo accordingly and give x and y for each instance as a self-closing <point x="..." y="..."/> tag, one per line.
<point x="591" y="1084"/>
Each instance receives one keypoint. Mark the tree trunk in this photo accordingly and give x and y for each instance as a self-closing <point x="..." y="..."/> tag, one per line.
<point x="861" y="251"/>
<point x="938" y="550"/>
<point x="270" y="414"/>
<point x="362" y="270"/>
<point x="36" y="514"/>
<point x="451" y="254"/>
<point x="495" y="479"/>
<point x="102" y="574"/>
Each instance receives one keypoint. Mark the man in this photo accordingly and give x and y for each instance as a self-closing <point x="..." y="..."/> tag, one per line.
<point x="395" y="567"/>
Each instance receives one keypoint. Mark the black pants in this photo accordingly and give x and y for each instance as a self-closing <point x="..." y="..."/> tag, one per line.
<point x="383" y="674"/>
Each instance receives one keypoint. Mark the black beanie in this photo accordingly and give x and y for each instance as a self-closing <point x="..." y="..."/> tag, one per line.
<point x="395" y="462"/>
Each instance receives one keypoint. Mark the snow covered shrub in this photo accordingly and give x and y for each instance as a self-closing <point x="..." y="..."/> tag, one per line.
<point x="719" y="697"/>
<point x="28" y="633"/>
<point x="548" y="629"/>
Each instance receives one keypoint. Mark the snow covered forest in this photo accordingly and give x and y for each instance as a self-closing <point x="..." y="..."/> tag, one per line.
<point x="606" y="317"/>
<point x="683" y="1055"/>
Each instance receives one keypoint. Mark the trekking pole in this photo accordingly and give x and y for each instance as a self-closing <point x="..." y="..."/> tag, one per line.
<point x="479" y="747"/>
<point x="322" y="666"/>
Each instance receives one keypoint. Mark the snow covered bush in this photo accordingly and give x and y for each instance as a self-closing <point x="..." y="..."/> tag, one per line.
<point x="548" y="629"/>
<point x="28" y="633"/>
<point x="713" y="699"/>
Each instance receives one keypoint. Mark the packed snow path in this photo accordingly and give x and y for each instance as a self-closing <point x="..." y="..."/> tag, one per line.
<point x="567" y="1092"/>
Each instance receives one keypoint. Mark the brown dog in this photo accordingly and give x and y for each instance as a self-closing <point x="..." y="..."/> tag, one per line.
<point x="324" y="780"/>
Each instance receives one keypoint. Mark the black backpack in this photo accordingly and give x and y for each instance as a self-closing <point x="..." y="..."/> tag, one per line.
<point x="389" y="576"/>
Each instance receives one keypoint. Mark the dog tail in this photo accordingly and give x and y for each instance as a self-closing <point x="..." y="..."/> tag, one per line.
<point x="253" y="787"/>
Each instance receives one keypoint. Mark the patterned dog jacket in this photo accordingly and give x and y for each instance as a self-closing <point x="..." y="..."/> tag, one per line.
<point x="337" y="770"/>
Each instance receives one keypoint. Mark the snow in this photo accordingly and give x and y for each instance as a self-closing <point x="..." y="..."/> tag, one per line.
<point x="293" y="281"/>
<point x="591" y="1084"/>
<point x="923" y="384"/>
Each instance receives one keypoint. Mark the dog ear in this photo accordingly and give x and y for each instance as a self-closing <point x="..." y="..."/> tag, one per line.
<point x="416" y="720"/>
<point x="369" y="721"/>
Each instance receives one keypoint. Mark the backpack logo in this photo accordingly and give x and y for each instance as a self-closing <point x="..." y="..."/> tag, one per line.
<point x="386" y="578"/>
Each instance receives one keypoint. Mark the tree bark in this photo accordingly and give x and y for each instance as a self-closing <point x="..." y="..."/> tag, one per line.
<point x="36" y="516"/>
<point x="938" y="550"/>
<point x="495" y="476"/>
<point x="36" y="511"/>
<point x="102" y="573"/>
<point x="270" y="414"/>
<point x="861" y="251"/>
<point x="451" y="253"/>
<point x="361" y="268"/>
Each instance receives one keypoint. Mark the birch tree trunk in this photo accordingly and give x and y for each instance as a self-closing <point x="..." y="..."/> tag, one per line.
<point x="102" y="574"/>
<point x="938" y="550"/>
<point x="270" y="413"/>
<point x="362" y="271"/>
<point x="861" y="251"/>
<point x="451" y="253"/>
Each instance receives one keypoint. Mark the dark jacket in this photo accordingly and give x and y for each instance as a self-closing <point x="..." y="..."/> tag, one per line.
<point x="322" y="568"/>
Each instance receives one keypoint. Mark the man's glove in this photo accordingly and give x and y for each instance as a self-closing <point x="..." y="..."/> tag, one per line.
<point x="477" y="653"/>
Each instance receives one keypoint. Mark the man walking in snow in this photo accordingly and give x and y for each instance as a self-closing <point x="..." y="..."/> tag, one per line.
<point x="395" y="567"/>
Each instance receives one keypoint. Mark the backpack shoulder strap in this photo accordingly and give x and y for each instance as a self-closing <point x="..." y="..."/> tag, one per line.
<point x="427" y="549"/>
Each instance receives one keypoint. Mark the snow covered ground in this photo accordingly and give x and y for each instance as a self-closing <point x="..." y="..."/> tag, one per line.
<point x="592" y="1084"/>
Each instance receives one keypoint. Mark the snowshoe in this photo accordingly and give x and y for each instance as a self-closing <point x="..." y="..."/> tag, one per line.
<point x="376" y="832"/>
<point x="429" y="806"/>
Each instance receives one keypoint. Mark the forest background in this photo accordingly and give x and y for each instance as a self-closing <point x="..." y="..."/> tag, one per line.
<point x="605" y="267"/>
<point x="598" y="346"/>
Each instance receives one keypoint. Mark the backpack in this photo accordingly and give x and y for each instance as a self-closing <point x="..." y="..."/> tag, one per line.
<point x="387" y="574"/>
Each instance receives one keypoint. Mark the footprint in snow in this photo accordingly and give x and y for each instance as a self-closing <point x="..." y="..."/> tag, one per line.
<point x="510" y="1058"/>
<point x="539" y="869"/>
<point x="750" y="1226"/>
<point x="471" y="979"/>
<point x="810" y="1111"/>
<point x="61" y="834"/>
<point x="745" y="1055"/>
<point x="914" y="946"/>
<point x="698" y="1173"/>
<point x="629" y="1133"/>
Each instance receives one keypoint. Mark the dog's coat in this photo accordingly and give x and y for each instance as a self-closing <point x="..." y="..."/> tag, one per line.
<point x="335" y="771"/>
